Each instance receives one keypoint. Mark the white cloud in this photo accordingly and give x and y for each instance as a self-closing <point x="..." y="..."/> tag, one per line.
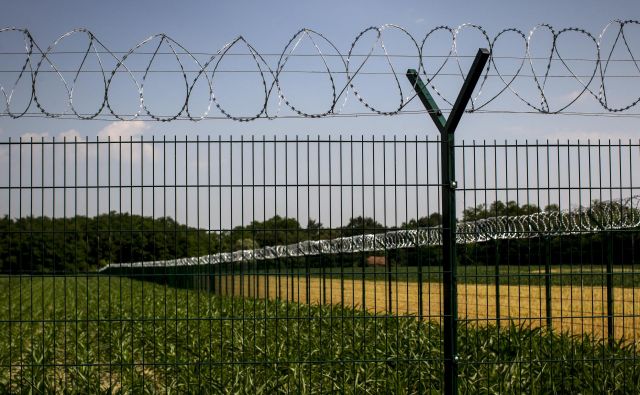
<point x="420" y="21"/>
<point x="79" y="150"/>
<point x="34" y="135"/>
<point x="128" y="131"/>
<point x="70" y="135"/>
<point x="123" y="130"/>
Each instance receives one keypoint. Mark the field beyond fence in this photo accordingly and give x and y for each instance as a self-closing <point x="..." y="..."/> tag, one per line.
<point x="576" y="310"/>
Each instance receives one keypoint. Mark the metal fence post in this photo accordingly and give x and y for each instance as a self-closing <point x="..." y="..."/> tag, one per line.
<point x="609" y="274"/>
<point x="610" y="329"/>
<point x="447" y="128"/>
<point x="449" y="263"/>
<point x="547" y="280"/>
<point x="497" y="274"/>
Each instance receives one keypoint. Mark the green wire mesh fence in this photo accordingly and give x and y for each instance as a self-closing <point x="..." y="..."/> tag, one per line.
<point x="313" y="265"/>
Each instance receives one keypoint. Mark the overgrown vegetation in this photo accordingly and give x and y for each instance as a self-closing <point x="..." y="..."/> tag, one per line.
<point x="101" y="335"/>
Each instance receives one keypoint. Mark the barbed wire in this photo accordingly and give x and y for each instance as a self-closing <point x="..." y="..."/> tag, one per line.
<point x="38" y="62"/>
<point x="617" y="214"/>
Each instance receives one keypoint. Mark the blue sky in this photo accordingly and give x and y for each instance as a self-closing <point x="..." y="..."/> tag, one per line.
<point x="207" y="26"/>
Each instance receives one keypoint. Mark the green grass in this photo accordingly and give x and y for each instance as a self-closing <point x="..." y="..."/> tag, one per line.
<point x="111" y="335"/>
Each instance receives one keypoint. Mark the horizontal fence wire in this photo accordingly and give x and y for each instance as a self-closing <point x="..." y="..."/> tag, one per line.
<point x="109" y="281"/>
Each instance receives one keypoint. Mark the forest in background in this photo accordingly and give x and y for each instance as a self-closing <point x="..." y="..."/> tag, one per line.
<point x="80" y="244"/>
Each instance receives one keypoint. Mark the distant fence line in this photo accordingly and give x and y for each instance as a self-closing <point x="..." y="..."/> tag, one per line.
<point x="602" y="216"/>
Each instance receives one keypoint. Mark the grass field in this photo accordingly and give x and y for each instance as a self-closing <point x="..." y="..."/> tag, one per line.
<point x="575" y="309"/>
<point x="625" y="276"/>
<point x="112" y="334"/>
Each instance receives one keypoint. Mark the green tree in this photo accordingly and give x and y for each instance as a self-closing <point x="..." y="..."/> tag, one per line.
<point x="362" y="225"/>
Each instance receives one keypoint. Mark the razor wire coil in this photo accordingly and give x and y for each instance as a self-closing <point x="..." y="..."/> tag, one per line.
<point x="599" y="217"/>
<point x="37" y="62"/>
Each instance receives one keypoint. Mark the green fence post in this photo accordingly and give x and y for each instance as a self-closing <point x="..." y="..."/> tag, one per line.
<point x="387" y="265"/>
<point x="447" y="128"/>
<point x="547" y="280"/>
<point x="497" y="274"/>
<point x="609" y="274"/>
<point x="610" y="329"/>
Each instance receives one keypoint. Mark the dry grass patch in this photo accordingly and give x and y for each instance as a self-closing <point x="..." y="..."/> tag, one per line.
<point x="575" y="309"/>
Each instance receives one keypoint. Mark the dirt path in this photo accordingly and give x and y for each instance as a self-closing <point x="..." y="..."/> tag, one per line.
<point x="579" y="310"/>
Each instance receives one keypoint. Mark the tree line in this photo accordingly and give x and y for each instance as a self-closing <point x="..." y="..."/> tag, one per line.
<point x="80" y="243"/>
<point x="76" y="244"/>
<point x="62" y="245"/>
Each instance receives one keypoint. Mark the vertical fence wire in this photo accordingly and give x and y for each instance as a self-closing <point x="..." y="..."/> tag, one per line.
<point x="544" y="307"/>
